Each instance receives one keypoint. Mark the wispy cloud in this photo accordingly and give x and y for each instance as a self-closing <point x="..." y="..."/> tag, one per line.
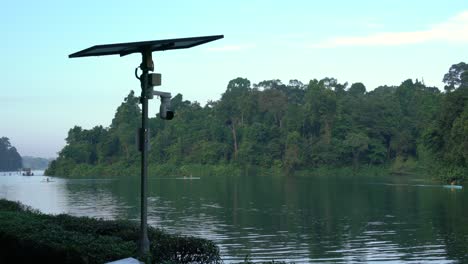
<point x="231" y="48"/>
<point x="454" y="30"/>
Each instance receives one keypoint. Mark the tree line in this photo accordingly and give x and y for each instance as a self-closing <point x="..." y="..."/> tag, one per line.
<point x="293" y="126"/>
<point x="10" y="159"/>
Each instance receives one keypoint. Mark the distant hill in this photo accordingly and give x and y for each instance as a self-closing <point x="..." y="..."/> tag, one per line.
<point x="35" y="163"/>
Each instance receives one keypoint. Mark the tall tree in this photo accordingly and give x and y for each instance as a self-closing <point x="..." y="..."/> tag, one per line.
<point x="357" y="143"/>
<point x="231" y="109"/>
<point x="446" y="137"/>
<point x="10" y="160"/>
<point x="125" y="124"/>
<point x="457" y="76"/>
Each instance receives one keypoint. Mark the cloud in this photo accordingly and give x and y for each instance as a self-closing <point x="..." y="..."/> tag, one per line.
<point x="231" y="48"/>
<point x="454" y="30"/>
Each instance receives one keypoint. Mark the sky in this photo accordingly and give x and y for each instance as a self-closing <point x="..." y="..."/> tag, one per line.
<point x="43" y="93"/>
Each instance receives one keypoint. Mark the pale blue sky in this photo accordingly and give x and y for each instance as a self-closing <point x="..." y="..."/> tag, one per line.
<point x="43" y="93"/>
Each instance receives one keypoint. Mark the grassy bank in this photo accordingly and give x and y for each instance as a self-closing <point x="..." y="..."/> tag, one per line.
<point x="28" y="236"/>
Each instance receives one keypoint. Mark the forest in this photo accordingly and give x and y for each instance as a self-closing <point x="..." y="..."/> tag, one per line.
<point x="10" y="159"/>
<point x="287" y="129"/>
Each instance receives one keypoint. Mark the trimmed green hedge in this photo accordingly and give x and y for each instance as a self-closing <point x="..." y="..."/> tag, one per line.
<point x="27" y="236"/>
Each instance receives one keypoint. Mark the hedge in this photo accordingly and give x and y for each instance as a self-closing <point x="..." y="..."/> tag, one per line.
<point x="28" y="236"/>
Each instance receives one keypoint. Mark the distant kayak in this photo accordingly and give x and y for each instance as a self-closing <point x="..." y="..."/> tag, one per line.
<point x="453" y="186"/>
<point x="450" y="186"/>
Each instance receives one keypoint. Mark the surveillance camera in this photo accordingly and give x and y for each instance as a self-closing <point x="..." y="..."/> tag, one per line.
<point x="165" y="110"/>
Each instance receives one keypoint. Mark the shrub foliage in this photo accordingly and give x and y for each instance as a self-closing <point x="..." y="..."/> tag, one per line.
<point x="27" y="236"/>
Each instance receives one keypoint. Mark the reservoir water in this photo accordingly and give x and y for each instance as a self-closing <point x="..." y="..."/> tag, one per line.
<point x="295" y="219"/>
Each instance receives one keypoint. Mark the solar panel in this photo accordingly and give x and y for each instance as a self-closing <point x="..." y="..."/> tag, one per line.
<point x="133" y="47"/>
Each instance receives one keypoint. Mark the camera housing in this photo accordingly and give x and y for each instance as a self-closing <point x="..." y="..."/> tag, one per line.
<point x="165" y="109"/>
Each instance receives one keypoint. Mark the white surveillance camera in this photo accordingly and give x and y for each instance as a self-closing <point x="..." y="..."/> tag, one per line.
<point x="165" y="110"/>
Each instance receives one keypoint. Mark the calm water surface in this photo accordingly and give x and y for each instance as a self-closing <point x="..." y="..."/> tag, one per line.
<point x="301" y="220"/>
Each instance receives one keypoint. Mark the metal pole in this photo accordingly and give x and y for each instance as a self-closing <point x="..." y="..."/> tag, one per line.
<point x="146" y="65"/>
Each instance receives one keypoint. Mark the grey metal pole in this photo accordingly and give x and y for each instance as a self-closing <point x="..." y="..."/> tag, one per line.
<point x="146" y="65"/>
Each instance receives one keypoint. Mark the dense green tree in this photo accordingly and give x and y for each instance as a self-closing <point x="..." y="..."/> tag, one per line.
<point x="447" y="136"/>
<point x="321" y="108"/>
<point x="357" y="143"/>
<point x="231" y="108"/>
<point x="125" y="124"/>
<point x="289" y="126"/>
<point x="10" y="159"/>
<point x="294" y="151"/>
<point x="357" y="89"/>
<point x="274" y="103"/>
<point x="456" y="77"/>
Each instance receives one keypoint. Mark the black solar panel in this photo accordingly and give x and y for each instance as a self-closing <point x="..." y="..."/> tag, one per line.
<point x="132" y="47"/>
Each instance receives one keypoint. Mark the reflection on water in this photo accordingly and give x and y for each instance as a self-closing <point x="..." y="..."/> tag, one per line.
<point x="305" y="220"/>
